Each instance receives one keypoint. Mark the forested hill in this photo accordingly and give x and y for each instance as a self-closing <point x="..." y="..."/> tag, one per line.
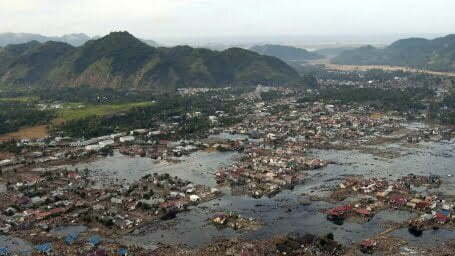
<point x="119" y="60"/>
<point x="286" y="53"/>
<point x="437" y="54"/>
<point x="72" y="39"/>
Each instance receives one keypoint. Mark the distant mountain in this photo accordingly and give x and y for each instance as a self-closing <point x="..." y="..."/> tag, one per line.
<point x="119" y="60"/>
<point x="437" y="54"/>
<point x="20" y="38"/>
<point x="332" y="52"/>
<point x="286" y="53"/>
<point x="72" y="39"/>
<point x="150" y="42"/>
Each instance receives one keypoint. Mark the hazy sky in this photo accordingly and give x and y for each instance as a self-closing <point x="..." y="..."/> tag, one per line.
<point x="213" y="18"/>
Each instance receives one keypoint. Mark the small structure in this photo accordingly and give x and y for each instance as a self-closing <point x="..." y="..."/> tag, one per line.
<point x="126" y="139"/>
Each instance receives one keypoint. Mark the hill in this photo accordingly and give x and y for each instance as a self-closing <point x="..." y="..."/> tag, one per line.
<point x="332" y="52"/>
<point x="20" y="38"/>
<point x="437" y="54"/>
<point x="119" y="60"/>
<point x="286" y="53"/>
<point x="72" y="39"/>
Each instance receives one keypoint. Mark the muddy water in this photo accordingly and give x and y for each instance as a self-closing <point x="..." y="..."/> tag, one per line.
<point x="228" y="136"/>
<point x="198" y="167"/>
<point x="426" y="159"/>
<point x="2" y="188"/>
<point x="285" y="212"/>
<point x="428" y="238"/>
<point x="64" y="231"/>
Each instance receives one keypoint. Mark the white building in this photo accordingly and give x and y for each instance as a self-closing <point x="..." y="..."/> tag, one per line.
<point x="93" y="147"/>
<point x="106" y="143"/>
<point x="126" y="139"/>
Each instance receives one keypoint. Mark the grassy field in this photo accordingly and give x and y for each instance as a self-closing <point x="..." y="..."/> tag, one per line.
<point x="74" y="111"/>
<point x="19" y="99"/>
<point x="67" y="112"/>
<point x="35" y="132"/>
<point x="328" y="65"/>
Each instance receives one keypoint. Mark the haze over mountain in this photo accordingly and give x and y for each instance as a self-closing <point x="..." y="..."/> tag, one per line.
<point x="72" y="39"/>
<point x="437" y="54"/>
<point x="119" y="60"/>
<point x="286" y="53"/>
<point x="333" y="52"/>
<point x="20" y="38"/>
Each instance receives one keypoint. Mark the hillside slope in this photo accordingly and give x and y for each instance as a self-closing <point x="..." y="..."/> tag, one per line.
<point x="437" y="54"/>
<point x="72" y="39"/>
<point x="119" y="60"/>
<point x="286" y="53"/>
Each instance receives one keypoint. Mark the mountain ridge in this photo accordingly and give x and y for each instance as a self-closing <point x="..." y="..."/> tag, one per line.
<point x="74" y="39"/>
<point x="119" y="60"/>
<point x="437" y="54"/>
<point x="286" y="53"/>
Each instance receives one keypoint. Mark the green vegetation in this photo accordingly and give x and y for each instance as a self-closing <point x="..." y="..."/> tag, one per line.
<point x="167" y="109"/>
<point x="332" y="52"/>
<point x="385" y="99"/>
<point x="445" y="111"/>
<point x="19" y="99"/>
<point x="437" y="54"/>
<point x="74" y="111"/>
<point x="310" y="81"/>
<point x="83" y="94"/>
<point x="122" y="61"/>
<point x="10" y="146"/>
<point x="17" y="114"/>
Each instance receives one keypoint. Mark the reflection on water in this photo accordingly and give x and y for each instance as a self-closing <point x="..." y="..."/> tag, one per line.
<point x="64" y="231"/>
<point x="198" y="167"/>
<point x="285" y="212"/>
<point x="429" y="159"/>
<point x="427" y="238"/>
<point x="228" y="136"/>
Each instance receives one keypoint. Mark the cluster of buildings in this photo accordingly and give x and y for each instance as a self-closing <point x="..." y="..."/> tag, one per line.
<point x="36" y="202"/>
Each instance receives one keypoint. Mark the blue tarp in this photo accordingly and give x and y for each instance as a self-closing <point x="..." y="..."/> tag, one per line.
<point x="123" y="252"/>
<point x="44" y="248"/>
<point x="71" y="238"/>
<point x="94" y="240"/>
<point x="445" y="212"/>
<point x="4" y="252"/>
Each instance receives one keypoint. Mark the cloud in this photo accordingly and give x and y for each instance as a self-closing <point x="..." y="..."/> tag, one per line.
<point x="190" y="18"/>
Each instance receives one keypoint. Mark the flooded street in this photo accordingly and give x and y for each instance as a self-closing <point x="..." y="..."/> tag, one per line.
<point x="290" y="210"/>
<point x="199" y="167"/>
<point x="296" y="210"/>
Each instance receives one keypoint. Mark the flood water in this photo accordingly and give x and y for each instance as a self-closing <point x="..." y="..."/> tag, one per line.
<point x="285" y="212"/>
<point x="2" y="188"/>
<point x="199" y="167"/>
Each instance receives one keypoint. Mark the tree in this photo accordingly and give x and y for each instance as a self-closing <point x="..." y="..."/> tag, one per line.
<point x="310" y="81"/>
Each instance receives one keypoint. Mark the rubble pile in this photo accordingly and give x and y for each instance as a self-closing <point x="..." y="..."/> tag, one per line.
<point x="291" y="245"/>
<point x="234" y="221"/>
<point x="264" y="171"/>
<point x="435" y="211"/>
<point x="276" y="145"/>
<point x="36" y="203"/>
